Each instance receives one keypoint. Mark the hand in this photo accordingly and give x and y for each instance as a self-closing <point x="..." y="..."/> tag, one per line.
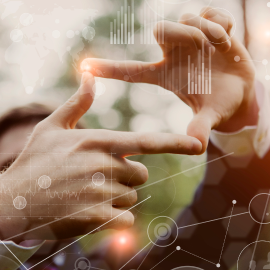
<point x="70" y="157"/>
<point x="232" y="103"/>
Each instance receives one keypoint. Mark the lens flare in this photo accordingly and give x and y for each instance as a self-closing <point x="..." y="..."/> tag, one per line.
<point x="85" y="66"/>
<point x="122" y="240"/>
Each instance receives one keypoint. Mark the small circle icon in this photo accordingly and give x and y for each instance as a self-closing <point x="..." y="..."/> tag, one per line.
<point x="82" y="264"/>
<point x="160" y="233"/>
<point x="98" y="179"/>
<point x="26" y="19"/>
<point x="19" y="202"/>
<point x="44" y="181"/>
<point x="88" y="33"/>
<point x="16" y="35"/>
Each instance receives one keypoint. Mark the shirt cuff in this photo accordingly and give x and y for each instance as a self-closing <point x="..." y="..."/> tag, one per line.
<point x="9" y="261"/>
<point x="249" y="140"/>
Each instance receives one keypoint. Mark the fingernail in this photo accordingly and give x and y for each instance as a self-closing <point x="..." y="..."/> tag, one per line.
<point x="196" y="147"/>
<point x="86" y="83"/>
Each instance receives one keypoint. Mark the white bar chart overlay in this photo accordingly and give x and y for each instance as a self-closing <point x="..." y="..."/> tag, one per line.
<point x="122" y="28"/>
<point x="199" y="76"/>
<point x="149" y="19"/>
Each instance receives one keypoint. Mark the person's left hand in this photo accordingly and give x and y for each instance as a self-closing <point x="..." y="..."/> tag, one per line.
<point x="233" y="95"/>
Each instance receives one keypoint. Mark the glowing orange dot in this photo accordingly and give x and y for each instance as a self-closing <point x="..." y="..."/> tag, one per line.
<point x="85" y="66"/>
<point x="122" y="240"/>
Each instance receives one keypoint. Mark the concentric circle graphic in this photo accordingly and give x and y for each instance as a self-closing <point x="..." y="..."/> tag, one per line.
<point x="259" y="208"/>
<point x="159" y="231"/>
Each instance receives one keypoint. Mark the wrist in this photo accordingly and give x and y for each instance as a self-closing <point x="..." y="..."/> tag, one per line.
<point x="246" y="115"/>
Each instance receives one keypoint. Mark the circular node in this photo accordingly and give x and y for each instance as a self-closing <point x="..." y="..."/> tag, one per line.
<point x="70" y="34"/>
<point x="178" y="248"/>
<point x="56" y="34"/>
<point x="57" y="21"/>
<point x="234" y="201"/>
<point x="237" y="58"/>
<point x="44" y="181"/>
<point x="26" y="19"/>
<point x="126" y="77"/>
<point x="82" y="263"/>
<point x="159" y="231"/>
<point x="218" y="265"/>
<point x="268" y="4"/>
<point x="162" y="231"/>
<point x="99" y="88"/>
<point x="264" y="62"/>
<point x="98" y="179"/>
<point x="19" y="202"/>
<point x="29" y="90"/>
<point x="223" y="20"/>
<point x="16" y="35"/>
<point x="88" y="33"/>
<point x="257" y="207"/>
<point x="267" y="77"/>
<point x="152" y="68"/>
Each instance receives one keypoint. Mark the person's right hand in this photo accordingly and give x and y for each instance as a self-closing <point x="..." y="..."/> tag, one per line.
<point x="70" y="157"/>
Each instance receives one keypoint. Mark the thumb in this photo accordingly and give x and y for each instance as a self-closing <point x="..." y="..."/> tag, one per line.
<point x="200" y="127"/>
<point x="67" y="115"/>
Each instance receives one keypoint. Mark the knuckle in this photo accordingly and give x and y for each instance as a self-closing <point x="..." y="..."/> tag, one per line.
<point x="160" y="28"/>
<point x="143" y="173"/>
<point x="186" y="17"/>
<point x="197" y="34"/>
<point x="146" y="142"/>
<point x="132" y="196"/>
<point x="126" y="220"/>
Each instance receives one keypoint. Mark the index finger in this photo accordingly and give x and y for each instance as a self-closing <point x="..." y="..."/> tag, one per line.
<point x="136" y="143"/>
<point x="129" y="71"/>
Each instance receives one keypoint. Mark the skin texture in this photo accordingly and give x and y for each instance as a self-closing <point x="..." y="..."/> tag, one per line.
<point x="71" y="157"/>
<point x="232" y="103"/>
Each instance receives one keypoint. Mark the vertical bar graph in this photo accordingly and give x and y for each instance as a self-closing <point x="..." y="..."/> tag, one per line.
<point x="149" y="20"/>
<point x="199" y="77"/>
<point x="122" y="28"/>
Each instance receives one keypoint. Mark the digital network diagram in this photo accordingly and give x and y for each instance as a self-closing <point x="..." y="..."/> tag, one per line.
<point x="195" y="79"/>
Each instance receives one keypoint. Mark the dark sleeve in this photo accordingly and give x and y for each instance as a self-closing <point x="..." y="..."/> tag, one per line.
<point x="202" y="245"/>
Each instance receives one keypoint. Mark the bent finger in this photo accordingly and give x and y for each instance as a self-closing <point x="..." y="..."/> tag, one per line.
<point x="214" y="32"/>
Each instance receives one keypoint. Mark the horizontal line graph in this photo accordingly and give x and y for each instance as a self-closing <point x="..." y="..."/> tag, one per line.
<point x="58" y="191"/>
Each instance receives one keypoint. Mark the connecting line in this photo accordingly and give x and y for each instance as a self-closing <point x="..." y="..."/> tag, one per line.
<point x="135" y="255"/>
<point x="96" y="268"/>
<point x="145" y="256"/>
<point x="200" y="165"/>
<point x="191" y="225"/>
<point x="88" y="233"/>
<point x="163" y="260"/>
<point x="226" y="235"/>
<point x="196" y="256"/>
<point x="13" y="254"/>
<point x="259" y="232"/>
<point x="38" y="227"/>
